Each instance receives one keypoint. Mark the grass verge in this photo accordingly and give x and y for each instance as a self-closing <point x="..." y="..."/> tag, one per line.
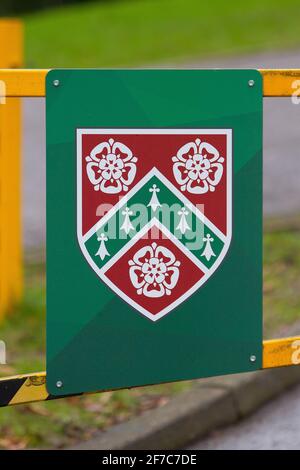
<point x="132" y="32"/>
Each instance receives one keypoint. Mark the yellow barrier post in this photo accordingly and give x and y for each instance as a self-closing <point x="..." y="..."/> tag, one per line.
<point x="11" y="56"/>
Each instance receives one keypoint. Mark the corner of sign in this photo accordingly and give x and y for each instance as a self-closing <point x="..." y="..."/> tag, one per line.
<point x="256" y="75"/>
<point x="53" y="78"/>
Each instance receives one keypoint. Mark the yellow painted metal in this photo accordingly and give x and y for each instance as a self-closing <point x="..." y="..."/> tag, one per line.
<point x="10" y="229"/>
<point x="11" y="40"/>
<point x="33" y="389"/>
<point x="281" y="82"/>
<point x="10" y="179"/>
<point x="22" y="83"/>
<point x="281" y="352"/>
<point x="23" y="389"/>
<point x="11" y="36"/>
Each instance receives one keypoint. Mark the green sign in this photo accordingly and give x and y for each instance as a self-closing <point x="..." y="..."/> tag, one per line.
<point x="154" y="226"/>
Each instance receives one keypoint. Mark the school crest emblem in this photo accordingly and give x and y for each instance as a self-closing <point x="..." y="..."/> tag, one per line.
<point x="154" y="211"/>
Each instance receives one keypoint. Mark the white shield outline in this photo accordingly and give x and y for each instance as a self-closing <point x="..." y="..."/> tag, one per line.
<point x="82" y="238"/>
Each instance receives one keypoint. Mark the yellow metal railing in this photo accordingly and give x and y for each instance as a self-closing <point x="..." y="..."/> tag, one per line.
<point x="11" y="279"/>
<point x="31" y="83"/>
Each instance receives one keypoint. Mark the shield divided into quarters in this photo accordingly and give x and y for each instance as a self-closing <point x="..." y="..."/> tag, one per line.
<point x="154" y="211"/>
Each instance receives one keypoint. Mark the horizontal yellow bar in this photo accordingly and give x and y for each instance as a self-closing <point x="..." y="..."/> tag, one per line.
<point x="24" y="83"/>
<point x="31" y="83"/>
<point x="280" y="83"/>
<point x="11" y="40"/>
<point x="23" y="389"/>
<point x="281" y="352"/>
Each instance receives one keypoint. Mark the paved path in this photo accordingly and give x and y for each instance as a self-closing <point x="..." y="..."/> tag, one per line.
<point x="281" y="145"/>
<point x="275" y="426"/>
<point x="34" y="173"/>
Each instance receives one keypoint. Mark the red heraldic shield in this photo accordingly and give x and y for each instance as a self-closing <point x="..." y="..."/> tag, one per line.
<point x="154" y="211"/>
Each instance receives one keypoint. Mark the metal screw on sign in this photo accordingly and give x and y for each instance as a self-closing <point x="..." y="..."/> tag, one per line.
<point x="252" y="358"/>
<point x="56" y="82"/>
<point x="59" y="384"/>
<point x="251" y="83"/>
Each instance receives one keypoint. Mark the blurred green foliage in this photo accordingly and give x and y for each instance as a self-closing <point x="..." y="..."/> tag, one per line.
<point x="139" y="32"/>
